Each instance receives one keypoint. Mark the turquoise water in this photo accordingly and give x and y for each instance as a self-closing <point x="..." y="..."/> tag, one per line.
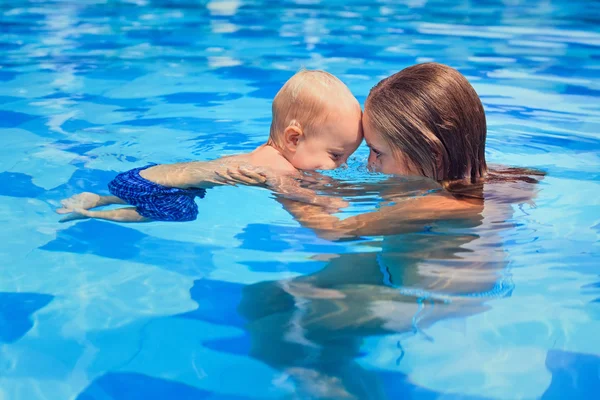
<point x="96" y="310"/>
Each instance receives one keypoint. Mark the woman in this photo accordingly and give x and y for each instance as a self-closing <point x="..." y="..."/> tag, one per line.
<point x="428" y="121"/>
<point x="441" y="254"/>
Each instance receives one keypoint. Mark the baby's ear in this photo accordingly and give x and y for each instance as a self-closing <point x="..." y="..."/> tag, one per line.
<point x="292" y="135"/>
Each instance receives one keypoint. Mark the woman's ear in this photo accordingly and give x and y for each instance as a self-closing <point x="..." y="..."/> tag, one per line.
<point x="292" y="135"/>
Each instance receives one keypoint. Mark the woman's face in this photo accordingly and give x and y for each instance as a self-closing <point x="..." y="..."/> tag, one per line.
<point x="382" y="158"/>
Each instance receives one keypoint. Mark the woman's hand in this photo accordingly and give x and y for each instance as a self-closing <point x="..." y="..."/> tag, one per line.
<point x="246" y="176"/>
<point x="284" y="186"/>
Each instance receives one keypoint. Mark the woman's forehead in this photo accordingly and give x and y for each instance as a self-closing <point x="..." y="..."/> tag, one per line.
<point x="371" y="135"/>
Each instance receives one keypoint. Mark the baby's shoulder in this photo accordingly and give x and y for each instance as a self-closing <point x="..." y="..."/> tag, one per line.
<point x="272" y="162"/>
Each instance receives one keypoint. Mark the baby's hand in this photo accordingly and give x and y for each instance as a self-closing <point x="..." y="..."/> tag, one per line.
<point x="329" y="204"/>
<point x="335" y="204"/>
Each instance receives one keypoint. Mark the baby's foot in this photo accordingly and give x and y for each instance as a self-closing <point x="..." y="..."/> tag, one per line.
<point x="74" y="215"/>
<point x="85" y="201"/>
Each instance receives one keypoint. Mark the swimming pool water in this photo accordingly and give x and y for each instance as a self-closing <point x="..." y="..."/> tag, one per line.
<point x="96" y="310"/>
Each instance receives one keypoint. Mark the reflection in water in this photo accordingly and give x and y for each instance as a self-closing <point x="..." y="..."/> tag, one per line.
<point x="311" y="327"/>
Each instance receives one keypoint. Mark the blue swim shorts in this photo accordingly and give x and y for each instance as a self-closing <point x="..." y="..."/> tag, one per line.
<point x="154" y="201"/>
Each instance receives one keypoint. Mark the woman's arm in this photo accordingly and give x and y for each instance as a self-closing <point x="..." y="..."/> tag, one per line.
<point x="313" y="211"/>
<point x="410" y="215"/>
<point x="284" y="185"/>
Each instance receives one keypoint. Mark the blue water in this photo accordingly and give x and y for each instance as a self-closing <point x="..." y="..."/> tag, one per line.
<point x="96" y="310"/>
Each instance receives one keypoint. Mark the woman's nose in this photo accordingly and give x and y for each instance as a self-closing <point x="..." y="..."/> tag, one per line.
<point x="371" y="161"/>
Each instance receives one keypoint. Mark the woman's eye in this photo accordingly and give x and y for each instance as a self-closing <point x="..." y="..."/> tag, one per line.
<point x="377" y="154"/>
<point x="336" y="156"/>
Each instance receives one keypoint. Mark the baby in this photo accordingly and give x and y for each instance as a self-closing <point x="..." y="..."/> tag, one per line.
<point x="316" y="125"/>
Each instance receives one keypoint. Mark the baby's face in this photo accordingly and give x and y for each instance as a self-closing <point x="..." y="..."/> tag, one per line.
<point x="332" y="142"/>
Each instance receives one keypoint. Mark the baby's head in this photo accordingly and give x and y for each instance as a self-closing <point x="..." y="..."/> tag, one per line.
<point x="316" y="121"/>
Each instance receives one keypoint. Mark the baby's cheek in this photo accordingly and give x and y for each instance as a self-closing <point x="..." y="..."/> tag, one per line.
<point x="328" y="163"/>
<point x="317" y="163"/>
<point x="311" y="163"/>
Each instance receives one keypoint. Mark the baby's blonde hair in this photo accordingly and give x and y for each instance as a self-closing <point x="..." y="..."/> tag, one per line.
<point x="305" y="101"/>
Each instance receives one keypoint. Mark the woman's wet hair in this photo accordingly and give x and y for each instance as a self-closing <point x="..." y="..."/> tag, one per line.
<point x="432" y="115"/>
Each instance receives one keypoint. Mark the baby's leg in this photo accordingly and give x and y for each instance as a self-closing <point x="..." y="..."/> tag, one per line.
<point x="85" y="201"/>
<point x="128" y="214"/>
